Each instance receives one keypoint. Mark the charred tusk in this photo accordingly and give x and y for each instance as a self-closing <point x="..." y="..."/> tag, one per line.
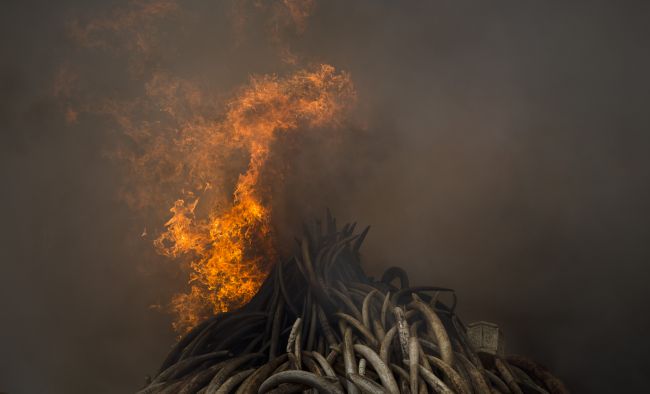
<point x="227" y="369"/>
<point x="347" y="302"/>
<point x="275" y="330"/>
<point x="552" y="383"/>
<point x="300" y="377"/>
<point x="233" y="381"/>
<point x="183" y="366"/>
<point x="252" y="383"/>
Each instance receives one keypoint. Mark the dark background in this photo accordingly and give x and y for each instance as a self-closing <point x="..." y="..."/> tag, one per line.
<point x="506" y="155"/>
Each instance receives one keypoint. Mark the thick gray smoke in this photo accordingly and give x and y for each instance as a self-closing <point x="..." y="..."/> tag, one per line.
<point x="504" y="154"/>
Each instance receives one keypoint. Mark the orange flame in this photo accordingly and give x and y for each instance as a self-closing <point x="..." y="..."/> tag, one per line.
<point x="178" y="142"/>
<point x="232" y="248"/>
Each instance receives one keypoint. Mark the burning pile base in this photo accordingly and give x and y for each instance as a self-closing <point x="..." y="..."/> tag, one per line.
<point x="319" y="323"/>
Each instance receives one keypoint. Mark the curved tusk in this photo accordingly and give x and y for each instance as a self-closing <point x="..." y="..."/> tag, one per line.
<point x="366" y="385"/>
<point x="385" y="375"/>
<point x="300" y="377"/>
<point x="437" y="328"/>
<point x="436" y="384"/>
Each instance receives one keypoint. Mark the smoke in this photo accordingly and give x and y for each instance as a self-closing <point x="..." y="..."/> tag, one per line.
<point x="498" y="149"/>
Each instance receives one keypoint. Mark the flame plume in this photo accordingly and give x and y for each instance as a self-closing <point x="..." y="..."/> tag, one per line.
<point x="183" y="146"/>
<point x="231" y="248"/>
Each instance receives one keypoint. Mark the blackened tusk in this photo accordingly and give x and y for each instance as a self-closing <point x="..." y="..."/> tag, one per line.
<point x="183" y="366"/>
<point x="253" y="382"/>
<point x="233" y="381"/>
<point x="359" y="241"/>
<point x="552" y="383"/>
<point x="227" y="369"/>
<point x="175" y="353"/>
<point x="396" y="272"/>
<point x="275" y="331"/>
<point x="320" y="383"/>
<point x="284" y="292"/>
<point x="327" y="329"/>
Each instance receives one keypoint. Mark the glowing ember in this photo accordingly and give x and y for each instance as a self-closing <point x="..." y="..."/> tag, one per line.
<point x="232" y="247"/>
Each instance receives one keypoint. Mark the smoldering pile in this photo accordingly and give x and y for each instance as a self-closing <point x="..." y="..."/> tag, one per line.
<point x="318" y="323"/>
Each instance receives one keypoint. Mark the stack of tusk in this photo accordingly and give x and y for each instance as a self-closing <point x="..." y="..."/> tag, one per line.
<point x="341" y="331"/>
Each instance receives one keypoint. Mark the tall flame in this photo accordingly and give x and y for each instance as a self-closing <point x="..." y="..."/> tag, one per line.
<point x="231" y="248"/>
<point x="183" y="146"/>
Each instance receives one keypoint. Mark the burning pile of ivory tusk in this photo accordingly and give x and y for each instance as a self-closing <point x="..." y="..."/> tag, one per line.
<point x="318" y="323"/>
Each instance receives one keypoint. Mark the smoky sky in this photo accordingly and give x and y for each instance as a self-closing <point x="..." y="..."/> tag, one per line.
<point x="499" y="148"/>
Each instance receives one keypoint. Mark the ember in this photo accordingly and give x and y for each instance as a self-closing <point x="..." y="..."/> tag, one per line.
<point x="318" y="322"/>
